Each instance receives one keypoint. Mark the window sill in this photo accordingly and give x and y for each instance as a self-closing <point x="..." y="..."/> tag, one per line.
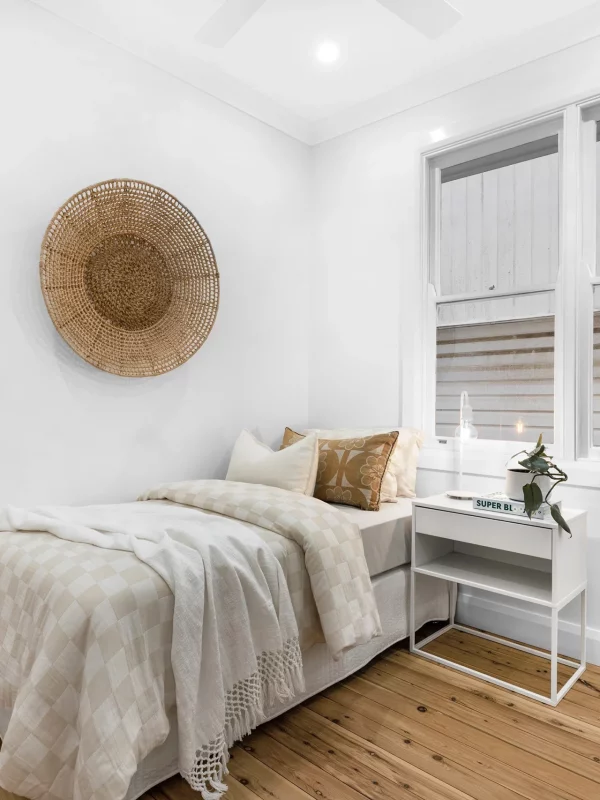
<point x="489" y="459"/>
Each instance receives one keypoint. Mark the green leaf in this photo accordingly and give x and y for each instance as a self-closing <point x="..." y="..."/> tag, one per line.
<point x="539" y="465"/>
<point x="535" y="464"/>
<point x="558" y="517"/>
<point x="526" y="464"/>
<point x="536" y="496"/>
<point x="528" y="499"/>
<point x="538" y="449"/>
<point x="533" y="498"/>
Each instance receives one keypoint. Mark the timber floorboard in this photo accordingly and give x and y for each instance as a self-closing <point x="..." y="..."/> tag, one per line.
<point x="407" y="728"/>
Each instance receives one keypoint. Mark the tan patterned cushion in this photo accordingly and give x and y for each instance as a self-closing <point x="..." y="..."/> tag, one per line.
<point x="401" y="475"/>
<point x="350" y="471"/>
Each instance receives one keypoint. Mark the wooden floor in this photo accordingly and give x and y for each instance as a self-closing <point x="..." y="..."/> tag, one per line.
<point x="407" y="728"/>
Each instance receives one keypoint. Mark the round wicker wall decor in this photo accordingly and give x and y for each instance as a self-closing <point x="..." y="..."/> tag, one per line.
<point x="129" y="278"/>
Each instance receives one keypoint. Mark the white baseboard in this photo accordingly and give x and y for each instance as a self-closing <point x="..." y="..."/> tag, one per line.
<point x="526" y="625"/>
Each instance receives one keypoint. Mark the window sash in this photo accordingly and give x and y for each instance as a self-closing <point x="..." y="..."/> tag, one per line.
<point x="433" y="166"/>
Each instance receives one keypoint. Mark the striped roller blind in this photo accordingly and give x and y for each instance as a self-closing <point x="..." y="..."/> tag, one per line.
<point x="508" y="370"/>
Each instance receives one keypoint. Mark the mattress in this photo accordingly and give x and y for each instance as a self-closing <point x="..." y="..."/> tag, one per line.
<point x="385" y="534"/>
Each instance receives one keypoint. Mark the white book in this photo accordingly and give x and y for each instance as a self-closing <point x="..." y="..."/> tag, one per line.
<point x="499" y="503"/>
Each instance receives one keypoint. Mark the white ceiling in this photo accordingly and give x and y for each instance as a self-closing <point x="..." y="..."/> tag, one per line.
<point x="269" y="68"/>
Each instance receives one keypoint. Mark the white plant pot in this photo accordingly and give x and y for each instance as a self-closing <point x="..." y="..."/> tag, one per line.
<point x="516" y="479"/>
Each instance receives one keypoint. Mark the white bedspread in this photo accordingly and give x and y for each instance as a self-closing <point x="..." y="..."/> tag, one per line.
<point x="83" y="638"/>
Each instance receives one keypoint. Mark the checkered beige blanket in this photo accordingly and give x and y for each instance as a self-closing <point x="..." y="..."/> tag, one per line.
<point x="70" y="609"/>
<point x="332" y="545"/>
<point x="85" y="666"/>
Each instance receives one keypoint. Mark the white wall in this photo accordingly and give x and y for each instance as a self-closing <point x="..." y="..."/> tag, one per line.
<point x="76" y="110"/>
<point x="363" y="368"/>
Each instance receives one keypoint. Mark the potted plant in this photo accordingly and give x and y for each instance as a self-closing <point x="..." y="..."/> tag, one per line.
<point x="534" y="481"/>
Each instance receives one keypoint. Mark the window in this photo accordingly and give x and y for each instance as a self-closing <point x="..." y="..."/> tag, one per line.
<point x="493" y="267"/>
<point x="511" y="287"/>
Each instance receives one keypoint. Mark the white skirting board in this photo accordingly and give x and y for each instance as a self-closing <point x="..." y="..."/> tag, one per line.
<point x="526" y="624"/>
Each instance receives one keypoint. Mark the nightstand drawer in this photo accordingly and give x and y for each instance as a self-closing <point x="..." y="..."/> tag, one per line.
<point x="517" y="537"/>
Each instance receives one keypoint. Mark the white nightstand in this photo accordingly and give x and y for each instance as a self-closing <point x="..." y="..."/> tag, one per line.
<point x="530" y="560"/>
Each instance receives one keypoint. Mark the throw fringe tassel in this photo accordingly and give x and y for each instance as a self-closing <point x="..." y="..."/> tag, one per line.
<point x="279" y="678"/>
<point x="287" y="687"/>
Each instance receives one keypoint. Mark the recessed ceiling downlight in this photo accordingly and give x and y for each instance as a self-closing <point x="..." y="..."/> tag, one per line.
<point x="438" y="135"/>
<point x="328" y="52"/>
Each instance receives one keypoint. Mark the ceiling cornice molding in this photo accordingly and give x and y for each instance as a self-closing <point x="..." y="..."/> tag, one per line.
<point x="540" y="43"/>
<point x="215" y="83"/>
<point x="544" y="42"/>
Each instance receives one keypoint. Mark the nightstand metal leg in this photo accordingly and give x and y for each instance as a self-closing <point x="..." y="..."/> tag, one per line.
<point x="583" y="628"/>
<point x="554" y="658"/>
<point x="411" y="611"/>
<point x="453" y="596"/>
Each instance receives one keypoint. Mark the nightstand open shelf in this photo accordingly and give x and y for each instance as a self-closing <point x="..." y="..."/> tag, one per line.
<point x="484" y="573"/>
<point x="533" y="561"/>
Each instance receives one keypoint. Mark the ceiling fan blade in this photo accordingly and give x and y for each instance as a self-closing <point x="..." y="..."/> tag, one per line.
<point x="227" y="20"/>
<point x="431" y="17"/>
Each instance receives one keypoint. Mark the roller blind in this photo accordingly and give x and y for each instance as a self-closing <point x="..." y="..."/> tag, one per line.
<point x="503" y="158"/>
<point x="508" y="370"/>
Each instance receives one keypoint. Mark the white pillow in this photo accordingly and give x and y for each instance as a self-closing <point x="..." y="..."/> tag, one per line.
<point x="294" y="468"/>
<point x="400" y="477"/>
<point x="405" y="460"/>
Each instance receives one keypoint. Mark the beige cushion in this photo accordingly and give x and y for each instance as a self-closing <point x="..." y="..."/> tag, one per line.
<point x="350" y="470"/>
<point x="403" y="464"/>
<point x="294" y="469"/>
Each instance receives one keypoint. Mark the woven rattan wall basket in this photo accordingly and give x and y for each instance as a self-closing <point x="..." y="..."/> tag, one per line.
<point x="129" y="278"/>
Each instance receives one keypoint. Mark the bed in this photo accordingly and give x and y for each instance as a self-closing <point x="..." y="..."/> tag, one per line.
<point x="386" y="540"/>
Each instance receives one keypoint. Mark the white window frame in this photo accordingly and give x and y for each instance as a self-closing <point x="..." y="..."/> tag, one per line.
<point x="576" y="279"/>
<point x="565" y="122"/>
<point x="587" y="276"/>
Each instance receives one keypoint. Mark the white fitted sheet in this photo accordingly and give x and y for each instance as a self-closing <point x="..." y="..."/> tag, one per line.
<point x="385" y="534"/>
